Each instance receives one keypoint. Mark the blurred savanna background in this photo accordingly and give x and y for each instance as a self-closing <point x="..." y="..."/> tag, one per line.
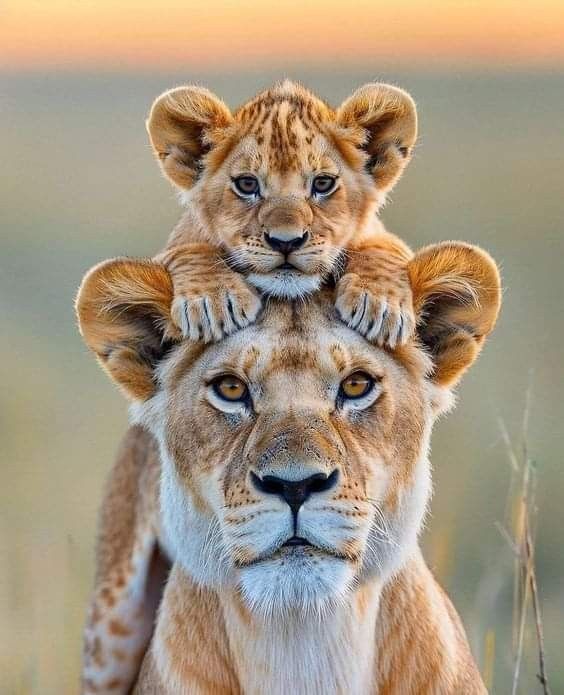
<point x="78" y="184"/>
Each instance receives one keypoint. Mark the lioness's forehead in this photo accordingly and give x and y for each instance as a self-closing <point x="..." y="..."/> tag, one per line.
<point x="323" y="355"/>
<point x="300" y="340"/>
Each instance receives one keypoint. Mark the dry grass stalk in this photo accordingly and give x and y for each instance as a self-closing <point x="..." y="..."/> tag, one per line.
<point x="489" y="660"/>
<point x="521" y="541"/>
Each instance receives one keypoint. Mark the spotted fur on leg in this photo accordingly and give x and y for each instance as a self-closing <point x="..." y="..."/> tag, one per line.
<point x="131" y="572"/>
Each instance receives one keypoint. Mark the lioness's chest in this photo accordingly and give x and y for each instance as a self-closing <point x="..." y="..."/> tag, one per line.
<point x="333" y="655"/>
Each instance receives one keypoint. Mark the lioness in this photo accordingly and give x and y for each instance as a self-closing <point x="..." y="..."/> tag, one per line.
<point x="294" y="478"/>
<point x="282" y="190"/>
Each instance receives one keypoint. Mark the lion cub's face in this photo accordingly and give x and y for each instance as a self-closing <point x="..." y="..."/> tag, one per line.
<point x="285" y="182"/>
<point x="294" y="458"/>
<point x="285" y="202"/>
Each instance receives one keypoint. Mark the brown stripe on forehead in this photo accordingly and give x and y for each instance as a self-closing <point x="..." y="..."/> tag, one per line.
<point x="190" y="354"/>
<point x="263" y="117"/>
<point x="314" y="116"/>
<point x="248" y="112"/>
<point x="291" y="130"/>
<point x="339" y="357"/>
<point x="252" y="120"/>
<point x="313" y="112"/>
<point x="249" y="358"/>
<point x="282" y="154"/>
<point x="294" y="356"/>
<point x="270" y="99"/>
<point x="283" y="119"/>
<point x="291" y="92"/>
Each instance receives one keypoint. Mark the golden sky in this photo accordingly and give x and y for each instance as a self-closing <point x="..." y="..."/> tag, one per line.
<point x="221" y="34"/>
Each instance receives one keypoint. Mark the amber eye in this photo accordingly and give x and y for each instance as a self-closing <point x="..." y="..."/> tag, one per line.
<point x="246" y="185"/>
<point x="231" y="388"/>
<point x="323" y="184"/>
<point x="357" y="385"/>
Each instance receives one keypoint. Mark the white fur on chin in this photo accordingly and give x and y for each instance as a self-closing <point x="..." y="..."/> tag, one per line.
<point x="295" y="581"/>
<point x="285" y="284"/>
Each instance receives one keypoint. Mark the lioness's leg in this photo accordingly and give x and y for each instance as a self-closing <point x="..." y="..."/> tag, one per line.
<point x="130" y="572"/>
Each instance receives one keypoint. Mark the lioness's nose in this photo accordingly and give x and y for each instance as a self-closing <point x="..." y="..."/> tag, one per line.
<point x="284" y="242"/>
<point x="295" y="492"/>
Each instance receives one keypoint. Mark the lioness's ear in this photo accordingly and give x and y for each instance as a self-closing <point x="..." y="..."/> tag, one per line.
<point x="457" y="294"/>
<point x="388" y="117"/>
<point x="123" y="309"/>
<point x="183" y="124"/>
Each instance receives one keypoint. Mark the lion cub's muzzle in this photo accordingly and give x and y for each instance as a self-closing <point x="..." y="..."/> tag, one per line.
<point x="285" y="241"/>
<point x="289" y="259"/>
<point x="285" y="224"/>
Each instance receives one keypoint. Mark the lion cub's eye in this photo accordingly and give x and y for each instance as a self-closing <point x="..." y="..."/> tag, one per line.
<point x="323" y="184"/>
<point x="357" y="385"/>
<point x="246" y="185"/>
<point x="230" y="388"/>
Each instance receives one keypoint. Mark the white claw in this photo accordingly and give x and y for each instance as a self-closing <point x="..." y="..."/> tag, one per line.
<point x="203" y="319"/>
<point x="407" y="327"/>
<point x="393" y="333"/>
<point x="213" y="319"/>
<point x="378" y="320"/>
<point x="235" y="311"/>
<point x="359" y="312"/>
<point x="228" y="323"/>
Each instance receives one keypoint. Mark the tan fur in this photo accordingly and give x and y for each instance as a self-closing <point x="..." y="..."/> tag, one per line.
<point x="358" y="610"/>
<point x="129" y="573"/>
<point x="285" y="137"/>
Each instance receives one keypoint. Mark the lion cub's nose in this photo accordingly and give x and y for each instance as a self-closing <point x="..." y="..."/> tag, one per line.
<point x="294" y="492"/>
<point x="285" y="242"/>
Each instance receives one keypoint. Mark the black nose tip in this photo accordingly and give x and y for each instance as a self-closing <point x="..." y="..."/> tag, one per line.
<point x="285" y="246"/>
<point x="294" y="492"/>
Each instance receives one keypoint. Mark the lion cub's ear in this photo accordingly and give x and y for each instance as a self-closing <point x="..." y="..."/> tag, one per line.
<point x="123" y="309"/>
<point x="387" y="117"/>
<point x="184" y="123"/>
<point x="457" y="295"/>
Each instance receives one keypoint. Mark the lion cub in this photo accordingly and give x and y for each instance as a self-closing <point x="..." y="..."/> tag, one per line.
<point x="285" y="190"/>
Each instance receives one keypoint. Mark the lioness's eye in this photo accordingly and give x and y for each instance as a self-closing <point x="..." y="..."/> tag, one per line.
<point x="230" y="388"/>
<point x="246" y="185"/>
<point x="357" y="385"/>
<point x="323" y="184"/>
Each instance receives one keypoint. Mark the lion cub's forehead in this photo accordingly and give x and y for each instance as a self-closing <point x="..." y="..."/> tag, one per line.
<point x="285" y="128"/>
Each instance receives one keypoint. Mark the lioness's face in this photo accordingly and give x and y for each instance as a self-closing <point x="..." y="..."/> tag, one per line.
<point x="293" y="452"/>
<point x="294" y="458"/>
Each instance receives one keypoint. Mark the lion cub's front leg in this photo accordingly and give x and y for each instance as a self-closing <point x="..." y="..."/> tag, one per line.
<point x="210" y="300"/>
<point x="374" y="295"/>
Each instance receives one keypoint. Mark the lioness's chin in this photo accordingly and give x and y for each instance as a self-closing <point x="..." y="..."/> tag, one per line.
<point x="286" y="284"/>
<point x="296" y="582"/>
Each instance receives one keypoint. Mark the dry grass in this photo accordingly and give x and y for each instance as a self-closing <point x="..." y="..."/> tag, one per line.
<point x="519" y="530"/>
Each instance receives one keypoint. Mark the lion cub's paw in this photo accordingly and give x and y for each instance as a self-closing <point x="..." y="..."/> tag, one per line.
<point x="381" y="313"/>
<point x="213" y="315"/>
